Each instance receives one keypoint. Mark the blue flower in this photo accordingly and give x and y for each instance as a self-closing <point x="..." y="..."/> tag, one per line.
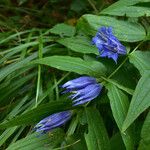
<point x="82" y="89"/>
<point x="53" y="121"/>
<point x="107" y="44"/>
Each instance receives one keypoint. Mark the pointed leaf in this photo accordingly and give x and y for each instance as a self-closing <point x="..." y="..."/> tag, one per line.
<point x="96" y="138"/>
<point x="77" y="44"/>
<point x="63" y="29"/>
<point x="130" y="11"/>
<point x="36" y="114"/>
<point x="140" y="100"/>
<point x="74" y="64"/>
<point x="119" y="104"/>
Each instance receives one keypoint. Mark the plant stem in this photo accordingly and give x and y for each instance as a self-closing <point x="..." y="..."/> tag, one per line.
<point x="137" y="47"/>
<point x="124" y="60"/>
<point x="39" y="70"/>
<point x="117" y="68"/>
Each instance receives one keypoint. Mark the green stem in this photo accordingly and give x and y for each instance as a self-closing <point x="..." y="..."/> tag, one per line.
<point x="40" y="54"/>
<point x="124" y="60"/>
<point x="56" y="87"/>
<point x="137" y="46"/>
<point x="117" y="68"/>
<point x="38" y="85"/>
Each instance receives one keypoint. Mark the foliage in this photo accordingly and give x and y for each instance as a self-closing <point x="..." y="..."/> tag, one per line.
<point x="44" y="44"/>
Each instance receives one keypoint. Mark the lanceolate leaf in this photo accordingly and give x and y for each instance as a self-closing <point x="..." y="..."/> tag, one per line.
<point x="119" y="104"/>
<point x="63" y="30"/>
<point x="140" y="60"/>
<point x="140" y="100"/>
<point x="96" y="138"/>
<point x="5" y="71"/>
<point x="130" y="11"/>
<point x="122" y="3"/>
<point x="36" y="114"/>
<point x="6" y="134"/>
<point x="77" y="44"/>
<point x="74" y="64"/>
<point x="124" y="30"/>
<point x="128" y="90"/>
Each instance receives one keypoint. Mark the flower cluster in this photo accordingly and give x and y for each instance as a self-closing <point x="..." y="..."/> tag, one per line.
<point x="108" y="45"/>
<point x="85" y="89"/>
<point x="82" y="89"/>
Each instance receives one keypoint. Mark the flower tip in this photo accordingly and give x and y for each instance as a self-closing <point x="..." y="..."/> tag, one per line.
<point x="52" y="121"/>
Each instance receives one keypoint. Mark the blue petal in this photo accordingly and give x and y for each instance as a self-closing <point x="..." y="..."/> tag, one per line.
<point x="122" y="50"/>
<point x="79" y="82"/>
<point x="90" y="92"/>
<point x="114" y="57"/>
<point x="104" y="54"/>
<point x="108" y="45"/>
<point x="53" y="121"/>
<point x="98" y="42"/>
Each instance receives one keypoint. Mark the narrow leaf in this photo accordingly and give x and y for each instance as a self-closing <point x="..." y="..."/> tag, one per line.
<point x="140" y="100"/>
<point x="36" y="114"/>
<point x="119" y="104"/>
<point x="96" y="138"/>
<point x="77" y="44"/>
<point x="122" y="3"/>
<point x="63" y="30"/>
<point x="130" y="11"/>
<point x="74" y="64"/>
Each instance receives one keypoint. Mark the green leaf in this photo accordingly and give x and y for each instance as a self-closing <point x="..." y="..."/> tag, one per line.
<point x="140" y="100"/>
<point x="38" y="142"/>
<point x="9" y="90"/>
<point x="123" y="30"/>
<point x="126" y="89"/>
<point x="74" y="64"/>
<point x="96" y="138"/>
<point x="17" y="49"/>
<point x="36" y="114"/>
<point x="140" y="60"/>
<point x="13" y="36"/>
<point x="121" y="4"/>
<point x="127" y="76"/>
<point x="130" y="11"/>
<point x="23" y="63"/>
<point x="6" y="134"/>
<point x="119" y="104"/>
<point x="145" y="136"/>
<point x="77" y="44"/>
<point x="75" y="142"/>
<point x="63" y="29"/>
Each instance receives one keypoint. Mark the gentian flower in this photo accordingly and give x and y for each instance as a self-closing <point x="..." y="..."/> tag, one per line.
<point x="108" y="45"/>
<point x="82" y="89"/>
<point x="53" y="121"/>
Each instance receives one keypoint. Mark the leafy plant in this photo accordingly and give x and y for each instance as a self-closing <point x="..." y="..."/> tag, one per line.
<point x="37" y="58"/>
